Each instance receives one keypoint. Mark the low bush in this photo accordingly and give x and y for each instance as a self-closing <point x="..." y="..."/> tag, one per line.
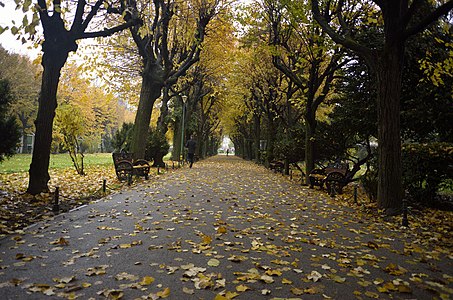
<point x="426" y="168"/>
<point x="157" y="146"/>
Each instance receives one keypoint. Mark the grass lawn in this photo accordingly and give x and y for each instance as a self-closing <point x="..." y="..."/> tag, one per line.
<point x="21" y="162"/>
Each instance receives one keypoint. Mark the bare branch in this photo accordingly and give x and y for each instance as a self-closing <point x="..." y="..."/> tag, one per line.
<point x="343" y="40"/>
<point x="43" y="13"/>
<point x="78" y="18"/>
<point x="430" y="18"/>
<point x="91" y="14"/>
<point x="108" y="31"/>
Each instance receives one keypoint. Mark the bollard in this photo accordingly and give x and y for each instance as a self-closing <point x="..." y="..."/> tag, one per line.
<point x="129" y="179"/>
<point x="405" y="221"/>
<point x="56" y="205"/>
<point x="158" y="170"/>
<point x="104" y="185"/>
<point x="355" y="194"/>
<point x="291" y="174"/>
<point x="332" y="191"/>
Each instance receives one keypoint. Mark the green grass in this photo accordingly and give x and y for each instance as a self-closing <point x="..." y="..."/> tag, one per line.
<point x="21" y="162"/>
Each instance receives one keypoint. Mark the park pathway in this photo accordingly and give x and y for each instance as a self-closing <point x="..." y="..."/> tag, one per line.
<point x="225" y="229"/>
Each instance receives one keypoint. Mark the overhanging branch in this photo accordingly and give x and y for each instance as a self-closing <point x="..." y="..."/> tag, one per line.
<point x="108" y="31"/>
<point x="346" y="41"/>
<point x="430" y="18"/>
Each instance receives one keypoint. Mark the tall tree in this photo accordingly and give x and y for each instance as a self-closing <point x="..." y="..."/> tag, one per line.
<point x="58" y="42"/>
<point x="168" y="47"/>
<point x="307" y="57"/>
<point x="385" y="61"/>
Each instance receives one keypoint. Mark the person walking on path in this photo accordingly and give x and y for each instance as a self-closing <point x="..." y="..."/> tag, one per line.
<point x="191" y="145"/>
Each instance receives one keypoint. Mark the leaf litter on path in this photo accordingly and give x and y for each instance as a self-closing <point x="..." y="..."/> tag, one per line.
<point x="229" y="229"/>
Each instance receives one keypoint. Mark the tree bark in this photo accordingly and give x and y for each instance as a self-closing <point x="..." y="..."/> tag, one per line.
<point x="389" y="78"/>
<point x="52" y="63"/>
<point x="152" y="84"/>
<point x="176" y="152"/>
<point x="387" y="65"/>
<point x="257" y="135"/>
<point x="162" y="126"/>
<point x="310" y="127"/>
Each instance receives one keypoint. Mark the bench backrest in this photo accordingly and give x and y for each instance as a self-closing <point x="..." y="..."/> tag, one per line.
<point x="337" y="167"/>
<point x="121" y="156"/>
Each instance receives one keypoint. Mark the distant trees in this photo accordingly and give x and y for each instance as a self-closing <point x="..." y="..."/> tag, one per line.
<point x="24" y="79"/>
<point x="338" y="57"/>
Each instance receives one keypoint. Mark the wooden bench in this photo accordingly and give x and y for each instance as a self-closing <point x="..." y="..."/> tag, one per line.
<point x="333" y="176"/>
<point x="277" y="166"/>
<point x="126" y="167"/>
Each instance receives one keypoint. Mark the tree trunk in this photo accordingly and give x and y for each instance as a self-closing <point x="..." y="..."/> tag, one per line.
<point x="52" y="63"/>
<point x="176" y="153"/>
<point x="271" y="132"/>
<point x="162" y="122"/>
<point x="257" y="135"/>
<point x="24" y="142"/>
<point x="162" y="126"/>
<point x="152" y="85"/>
<point x="310" y="127"/>
<point x="159" y="160"/>
<point x="389" y="73"/>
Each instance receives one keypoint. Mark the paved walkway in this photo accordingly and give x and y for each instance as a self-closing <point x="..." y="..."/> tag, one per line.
<point x="224" y="229"/>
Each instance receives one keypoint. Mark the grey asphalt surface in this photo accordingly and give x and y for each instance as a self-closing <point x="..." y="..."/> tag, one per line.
<point x="225" y="228"/>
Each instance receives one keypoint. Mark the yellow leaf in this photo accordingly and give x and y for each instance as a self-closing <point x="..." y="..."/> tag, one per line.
<point x="274" y="272"/>
<point x="206" y="239"/>
<point x="222" y="229"/>
<point x="242" y="288"/>
<point x="297" y="291"/>
<point x="115" y="294"/>
<point x="338" y="279"/>
<point x="404" y="289"/>
<point x="371" y="295"/>
<point x="213" y="262"/>
<point x="147" y="280"/>
<point x="267" y="279"/>
<point x="164" y="294"/>
<point x="231" y="295"/>
<point x="286" y="281"/>
<point x="188" y="291"/>
<point x="265" y="292"/>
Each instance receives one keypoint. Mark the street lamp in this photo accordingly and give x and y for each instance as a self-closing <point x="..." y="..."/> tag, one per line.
<point x="184" y="98"/>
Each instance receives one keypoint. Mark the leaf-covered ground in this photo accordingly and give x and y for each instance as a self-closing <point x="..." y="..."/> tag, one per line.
<point x="228" y="229"/>
<point x="18" y="209"/>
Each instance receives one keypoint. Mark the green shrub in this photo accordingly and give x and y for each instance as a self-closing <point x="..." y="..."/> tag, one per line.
<point x="426" y="168"/>
<point x="157" y="146"/>
<point x="122" y="138"/>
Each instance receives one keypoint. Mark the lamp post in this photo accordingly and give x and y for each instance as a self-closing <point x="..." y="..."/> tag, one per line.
<point x="184" y="98"/>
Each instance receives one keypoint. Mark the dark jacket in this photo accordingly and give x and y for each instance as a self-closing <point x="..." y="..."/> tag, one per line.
<point x="191" y="145"/>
